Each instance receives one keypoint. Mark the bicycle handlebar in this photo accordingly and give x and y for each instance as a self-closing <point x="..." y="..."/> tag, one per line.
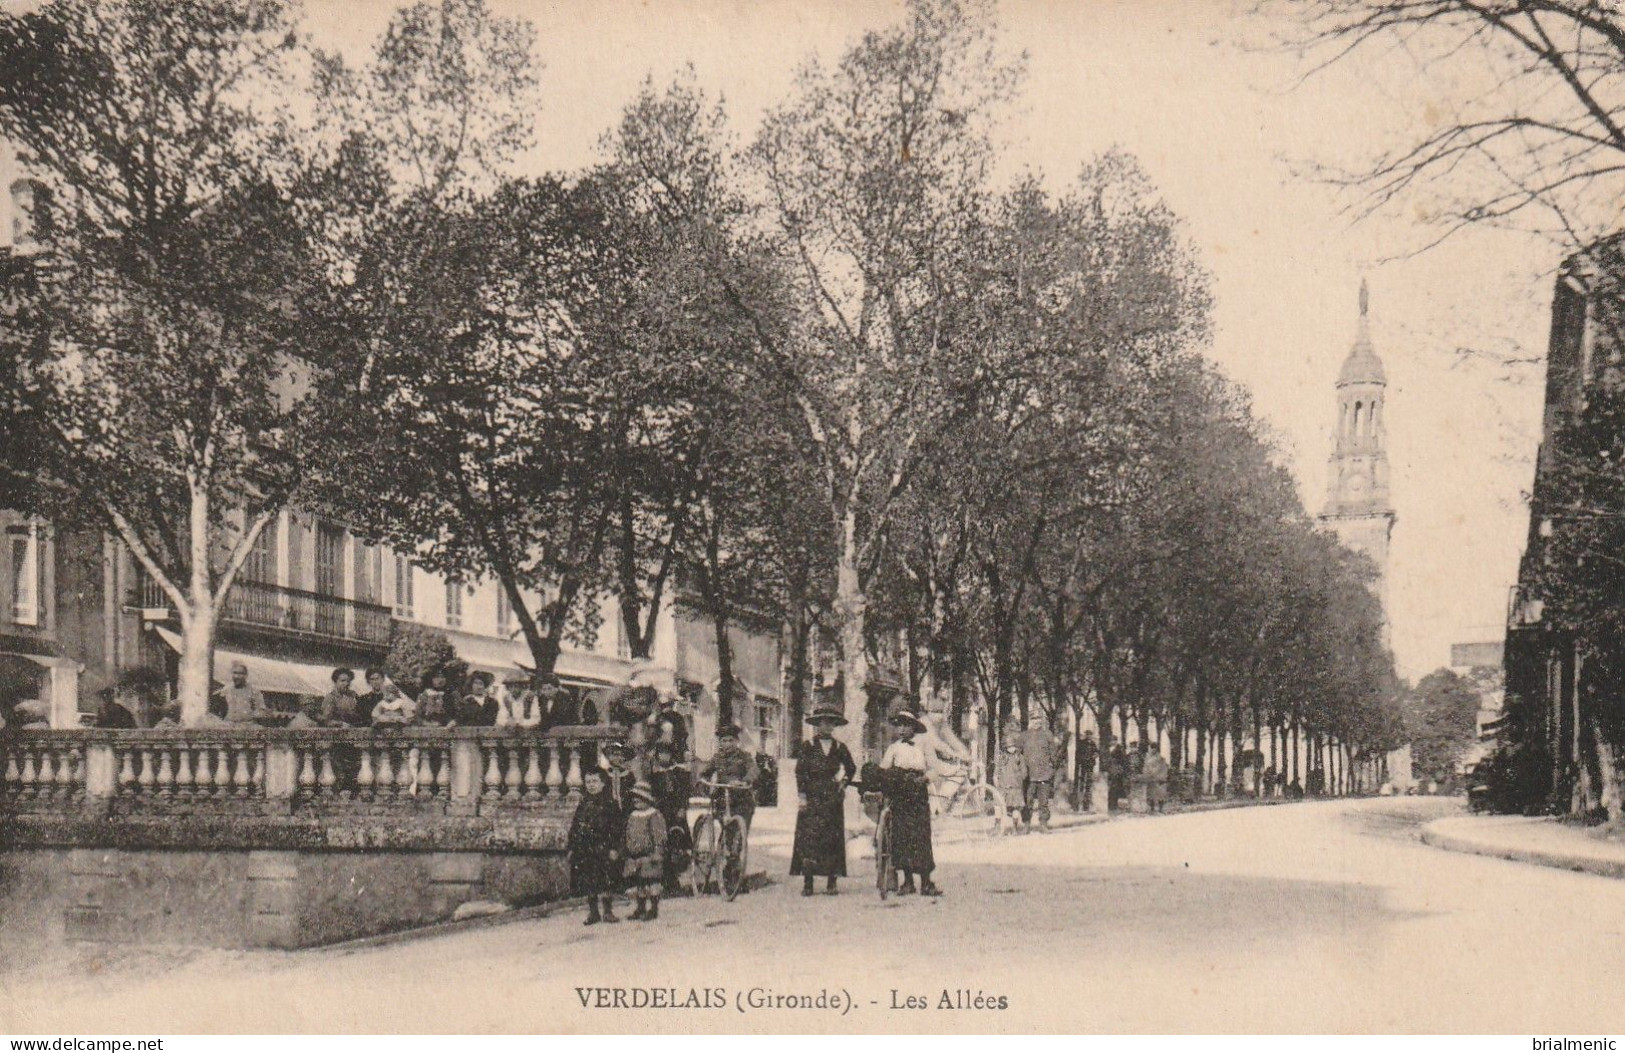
<point x="726" y="785"/>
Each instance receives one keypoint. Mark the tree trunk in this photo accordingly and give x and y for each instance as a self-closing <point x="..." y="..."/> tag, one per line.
<point x="199" y="618"/>
<point x="725" y="668"/>
<point x="800" y="630"/>
<point x="850" y="608"/>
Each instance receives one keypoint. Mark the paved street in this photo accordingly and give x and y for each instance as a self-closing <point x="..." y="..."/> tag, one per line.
<point x="1312" y="917"/>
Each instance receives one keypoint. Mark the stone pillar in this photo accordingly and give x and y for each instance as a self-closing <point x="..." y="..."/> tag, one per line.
<point x="281" y="772"/>
<point x="467" y="776"/>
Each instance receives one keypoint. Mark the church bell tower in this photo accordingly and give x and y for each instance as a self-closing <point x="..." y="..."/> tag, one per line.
<point x="1358" y="508"/>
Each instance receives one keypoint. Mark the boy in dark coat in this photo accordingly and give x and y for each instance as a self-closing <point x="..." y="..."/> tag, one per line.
<point x="731" y="764"/>
<point x="597" y="836"/>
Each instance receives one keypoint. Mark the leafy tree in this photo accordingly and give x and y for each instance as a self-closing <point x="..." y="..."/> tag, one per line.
<point x="1540" y="142"/>
<point x="1441" y="718"/>
<point x="160" y="395"/>
<point x="417" y="651"/>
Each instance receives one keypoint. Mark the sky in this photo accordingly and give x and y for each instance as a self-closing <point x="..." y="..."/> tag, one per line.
<point x="1225" y="125"/>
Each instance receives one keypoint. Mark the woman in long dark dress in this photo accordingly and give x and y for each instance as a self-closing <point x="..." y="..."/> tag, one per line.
<point x="824" y="767"/>
<point x="903" y="767"/>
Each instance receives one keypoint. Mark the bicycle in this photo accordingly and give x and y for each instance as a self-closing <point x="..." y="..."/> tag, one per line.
<point x="875" y="797"/>
<point x="972" y="809"/>
<point x="721" y="845"/>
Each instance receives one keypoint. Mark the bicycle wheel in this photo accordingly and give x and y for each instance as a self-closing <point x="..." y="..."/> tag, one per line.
<point x="732" y="857"/>
<point x="883" y="852"/>
<point x="702" y="872"/>
<point x="979" y="814"/>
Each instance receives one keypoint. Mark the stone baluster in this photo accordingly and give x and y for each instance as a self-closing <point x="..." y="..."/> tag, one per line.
<point x="14" y="774"/>
<point x="70" y="775"/>
<point x="126" y="771"/>
<point x="572" y="781"/>
<point x="146" y="780"/>
<point x="326" y="780"/>
<point x="222" y="771"/>
<point x="555" y="778"/>
<point x="29" y="784"/>
<point x="45" y="785"/>
<point x="204" y="778"/>
<point x="493" y="773"/>
<point x="166" y="772"/>
<point x="513" y="781"/>
<point x="423" y="783"/>
<point x="386" y="773"/>
<point x="364" y="776"/>
<point x="242" y="776"/>
<point x="307" y="770"/>
<point x="442" y="774"/>
<point x="533" y="773"/>
<point x="183" y="771"/>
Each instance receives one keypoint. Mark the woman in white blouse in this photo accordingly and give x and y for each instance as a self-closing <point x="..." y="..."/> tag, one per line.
<point x="909" y="795"/>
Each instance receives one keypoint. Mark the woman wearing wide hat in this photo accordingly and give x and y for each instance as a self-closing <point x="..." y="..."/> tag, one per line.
<point x="909" y="795"/>
<point x="824" y="767"/>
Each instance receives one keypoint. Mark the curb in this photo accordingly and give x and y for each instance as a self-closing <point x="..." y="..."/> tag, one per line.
<point x="754" y="881"/>
<point x="1436" y="838"/>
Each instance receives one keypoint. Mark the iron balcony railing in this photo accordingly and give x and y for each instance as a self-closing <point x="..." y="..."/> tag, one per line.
<point x="263" y="606"/>
<point x="295" y="611"/>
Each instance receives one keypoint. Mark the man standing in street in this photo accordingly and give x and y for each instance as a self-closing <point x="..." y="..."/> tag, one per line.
<point x="1039" y="746"/>
<point x="1084" y="777"/>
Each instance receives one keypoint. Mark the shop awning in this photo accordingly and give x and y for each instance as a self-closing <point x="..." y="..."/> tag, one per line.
<point x="268" y="674"/>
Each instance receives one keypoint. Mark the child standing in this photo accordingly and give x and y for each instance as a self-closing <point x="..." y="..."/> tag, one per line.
<point x="1010" y="777"/>
<point x="645" y="851"/>
<point x="597" y="837"/>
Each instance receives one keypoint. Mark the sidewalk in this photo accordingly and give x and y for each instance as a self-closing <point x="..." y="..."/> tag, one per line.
<point x="1542" y="841"/>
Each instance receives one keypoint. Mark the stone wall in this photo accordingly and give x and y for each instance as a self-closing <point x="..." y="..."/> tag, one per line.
<point x="237" y="837"/>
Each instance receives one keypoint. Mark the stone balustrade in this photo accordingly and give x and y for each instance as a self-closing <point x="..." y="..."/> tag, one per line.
<point x="259" y="837"/>
<point x="87" y="772"/>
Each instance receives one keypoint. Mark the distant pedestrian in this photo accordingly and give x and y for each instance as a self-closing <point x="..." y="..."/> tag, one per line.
<point x="1010" y="779"/>
<point x="1040" y="747"/>
<point x="645" y="852"/>
<point x="1084" y="776"/>
<point x="824" y="769"/>
<point x="1156" y="780"/>
<point x="1117" y="773"/>
<point x="597" y="833"/>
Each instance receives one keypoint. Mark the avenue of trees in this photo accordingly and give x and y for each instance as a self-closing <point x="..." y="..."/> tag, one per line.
<point x="834" y="378"/>
<point x="1535" y="143"/>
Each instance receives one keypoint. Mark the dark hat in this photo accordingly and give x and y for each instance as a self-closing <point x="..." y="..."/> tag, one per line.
<point x="728" y="731"/>
<point x="617" y="749"/>
<point x="832" y="714"/>
<point x="904" y="719"/>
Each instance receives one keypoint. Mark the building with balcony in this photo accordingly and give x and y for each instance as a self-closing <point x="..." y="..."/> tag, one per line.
<point x="1557" y="709"/>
